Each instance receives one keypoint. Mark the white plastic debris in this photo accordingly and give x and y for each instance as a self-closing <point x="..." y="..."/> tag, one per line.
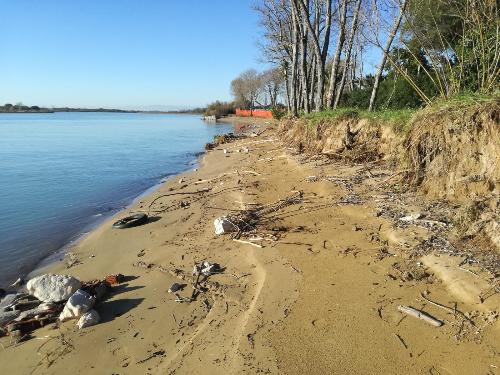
<point x="311" y="178"/>
<point x="88" y="319"/>
<point x="223" y="225"/>
<point x="53" y="288"/>
<point x="410" y="218"/>
<point x="206" y="268"/>
<point x="77" y="305"/>
<point x="225" y="151"/>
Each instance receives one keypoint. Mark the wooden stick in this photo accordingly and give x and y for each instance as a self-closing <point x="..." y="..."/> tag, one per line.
<point x="420" y="315"/>
<point x="195" y="285"/>
<point x="251" y="172"/>
<point x="401" y="340"/>
<point x="453" y="311"/>
<point x="248" y="243"/>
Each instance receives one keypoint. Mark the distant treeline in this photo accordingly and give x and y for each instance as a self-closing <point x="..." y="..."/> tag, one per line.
<point x="21" y="108"/>
<point x="194" y="111"/>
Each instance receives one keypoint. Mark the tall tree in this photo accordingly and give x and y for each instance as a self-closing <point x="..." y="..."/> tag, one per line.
<point x="385" y="52"/>
<point x="338" y="51"/>
<point x="347" y="60"/>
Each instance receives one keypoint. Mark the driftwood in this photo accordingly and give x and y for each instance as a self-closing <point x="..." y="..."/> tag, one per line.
<point x="420" y="315"/>
<point x="248" y="243"/>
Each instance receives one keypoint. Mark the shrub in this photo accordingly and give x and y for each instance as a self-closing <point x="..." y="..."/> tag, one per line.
<point x="220" y="109"/>
<point x="278" y="112"/>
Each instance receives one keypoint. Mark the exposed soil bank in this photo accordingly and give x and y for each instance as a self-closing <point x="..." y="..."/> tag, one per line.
<point x="320" y="296"/>
<point x="450" y="154"/>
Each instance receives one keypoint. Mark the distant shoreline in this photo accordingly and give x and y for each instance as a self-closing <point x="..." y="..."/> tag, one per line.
<point x="57" y="110"/>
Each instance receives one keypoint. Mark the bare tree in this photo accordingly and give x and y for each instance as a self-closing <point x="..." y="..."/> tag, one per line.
<point x="273" y="81"/>
<point x="347" y="60"/>
<point x="302" y="7"/>
<point x="385" y="51"/>
<point x="342" y="14"/>
<point x="246" y="88"/>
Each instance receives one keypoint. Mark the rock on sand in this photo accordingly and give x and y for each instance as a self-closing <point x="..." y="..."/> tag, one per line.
<point x="53" y="288"/>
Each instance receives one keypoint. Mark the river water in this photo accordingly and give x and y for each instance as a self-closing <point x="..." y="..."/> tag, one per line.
<point x="61" y="173"/>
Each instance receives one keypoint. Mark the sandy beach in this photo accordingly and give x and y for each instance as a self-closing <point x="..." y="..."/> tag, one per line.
<point x="319" y="294"/>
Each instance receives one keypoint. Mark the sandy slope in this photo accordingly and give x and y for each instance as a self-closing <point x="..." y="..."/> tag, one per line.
<point x="322" y="299"/>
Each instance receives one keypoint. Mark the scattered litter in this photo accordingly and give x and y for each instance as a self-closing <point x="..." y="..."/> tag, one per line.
<point x="224" y="225"/>
<point x="131" y="221"/>
<point x="207" y="268"/>
<point x="115" y="279"/>
<point x="52" y="298"/>
<point x="410" y="218"/>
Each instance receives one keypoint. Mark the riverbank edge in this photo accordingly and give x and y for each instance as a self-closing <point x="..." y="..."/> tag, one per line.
<point x="55" y="260"/>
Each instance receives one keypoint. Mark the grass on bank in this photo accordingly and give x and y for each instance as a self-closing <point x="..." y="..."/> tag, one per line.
<point x="398" y="118"/>
<point x="463" y="100"/>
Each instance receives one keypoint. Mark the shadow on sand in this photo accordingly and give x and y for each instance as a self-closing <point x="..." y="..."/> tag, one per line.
<point x="109" y="310"/>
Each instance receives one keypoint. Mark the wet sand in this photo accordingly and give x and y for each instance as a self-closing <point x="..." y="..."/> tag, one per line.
<point x="320" y="297"/>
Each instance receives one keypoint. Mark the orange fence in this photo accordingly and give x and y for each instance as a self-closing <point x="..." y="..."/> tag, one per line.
<point x="262" y="113"/>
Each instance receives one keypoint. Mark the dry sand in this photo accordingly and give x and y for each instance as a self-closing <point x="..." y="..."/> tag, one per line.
<point x="322" y="299"/>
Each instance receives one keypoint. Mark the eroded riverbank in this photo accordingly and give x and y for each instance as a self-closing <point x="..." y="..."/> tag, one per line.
<point x="319" y="296"/>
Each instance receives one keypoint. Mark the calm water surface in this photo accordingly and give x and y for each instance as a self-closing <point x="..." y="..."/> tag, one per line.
<point x="61" y="173"/>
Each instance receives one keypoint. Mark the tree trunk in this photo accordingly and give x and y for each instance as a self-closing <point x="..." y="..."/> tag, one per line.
<point x="347" y="60"/>
<point x="385" y="51"/>
<point x="317" y="50"/>
<point x="295" y="53"/>
<point x="338" y="51"/>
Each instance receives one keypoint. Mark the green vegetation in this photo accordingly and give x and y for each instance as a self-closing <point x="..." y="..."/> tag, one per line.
<point x="429" y="51"/>
<point x="21" y="108"/>
<point x="398" y="118"/>
<point x="220" y="109"/>
<point x="464" y="100"/>
<point x="278" y="112"/>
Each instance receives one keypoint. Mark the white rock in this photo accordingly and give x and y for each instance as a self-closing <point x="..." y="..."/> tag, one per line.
<point x="77" y="305"/>
<point x="88" y="319"/>
<point x="181" y="180"/>
<point x="223" y="225"/>
<point x="225" y="151"/>
<point x="53" y="288"/>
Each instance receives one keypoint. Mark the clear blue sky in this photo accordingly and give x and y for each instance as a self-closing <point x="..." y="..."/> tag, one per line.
<point x="123" y="53"/>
